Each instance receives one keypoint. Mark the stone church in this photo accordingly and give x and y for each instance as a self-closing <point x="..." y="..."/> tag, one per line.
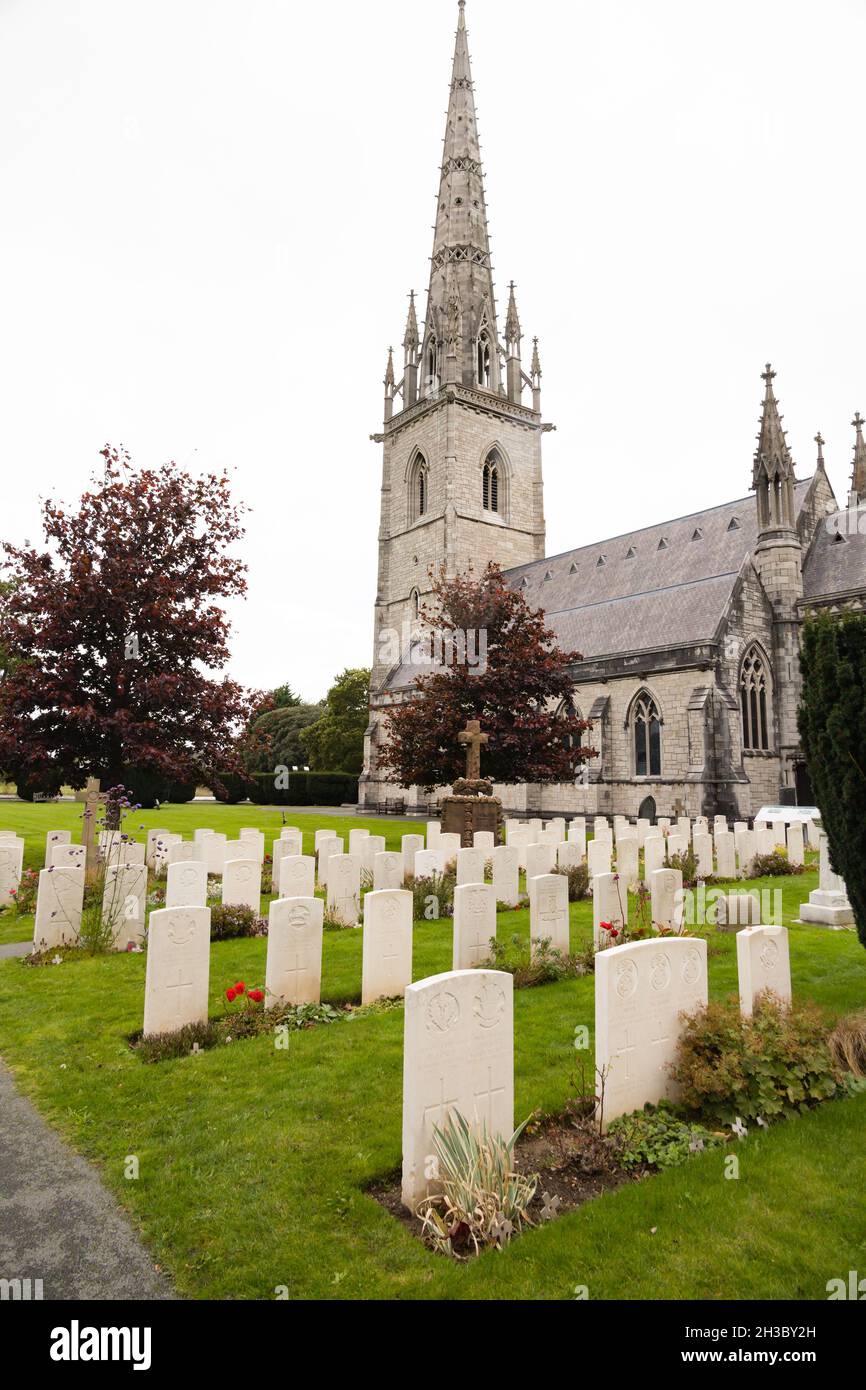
<point x="688" y="629"/>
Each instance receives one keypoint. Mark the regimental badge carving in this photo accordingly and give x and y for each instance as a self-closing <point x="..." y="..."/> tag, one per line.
<point x="244" y="873"/>
<point x="489" y="1005"/>
<point x="443" y="1011"/>
<point x="180" y="933"/>
<point x="692" y="968"/>
<point x="299" y="917"/>
<point x="389" y="909"/>
<point x="660" y="971"/>
<point x="477" y="903"/>
<point x="626" y="978"/>
<point x="769" y="956"/>
<point x="189" y="878"/>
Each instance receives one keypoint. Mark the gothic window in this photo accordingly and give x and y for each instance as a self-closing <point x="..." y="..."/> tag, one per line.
<point x="490" y="484"/>
<point x="484" y="359"/>
<point x="754" y="700"/>
<point x="415" y="604"/>
<point x="431" y="384"/>
<point x="647" y="729"/>
<point x="419" y="488"/>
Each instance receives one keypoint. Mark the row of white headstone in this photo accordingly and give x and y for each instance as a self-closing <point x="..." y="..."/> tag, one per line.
<point x="458" y="1049"/>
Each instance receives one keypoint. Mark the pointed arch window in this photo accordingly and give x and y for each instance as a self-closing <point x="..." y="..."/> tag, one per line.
<point x="647" y="733"/>
<point x="419" y="488"/>
<point x="415" y="604"/>
<point x="755" y="700"/>
<point x="491" y="483"/>
<point x="484" y="359"/>
<point x="431" y="368"/>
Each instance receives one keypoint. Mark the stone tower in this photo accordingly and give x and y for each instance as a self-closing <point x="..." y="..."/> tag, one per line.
<point x="779" y="561"/>
<point x="461" y="465"/>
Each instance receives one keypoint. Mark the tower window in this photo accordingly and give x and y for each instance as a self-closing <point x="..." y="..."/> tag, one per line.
<point x="754" y="701"/>
<point x="646" y="726"/>
<point x="415" y="603"/>
<point x="419" y="488"/>
<point x="490" y="485"/>
<point x="484" y="360"/>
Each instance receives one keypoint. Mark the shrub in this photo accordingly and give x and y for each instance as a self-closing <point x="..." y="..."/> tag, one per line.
<point x="304" y="789"/>
<point x="657" y="1137"/>
<point x="232" y="788"/>
<point x="777" y="1062"/>
<point x="774" y="865"/>
<point x="483" y="1199"/>
<point x="24" y="896"/>
<point x="438" y="886"/>
<point x="687" y="863"/>
<point x="535" y="965"/>
<point x="40" y="784"/>
<point x="578" y="881"/>
<point x="235" y="920"/>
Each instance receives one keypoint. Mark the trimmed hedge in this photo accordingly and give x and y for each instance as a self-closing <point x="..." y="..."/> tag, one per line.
<point x="305" y="789"/>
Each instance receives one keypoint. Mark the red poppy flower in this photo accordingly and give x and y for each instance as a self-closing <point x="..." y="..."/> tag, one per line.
<point x="230" y="995"/>
<point x="606" y="926"/>
<point x="240" y="987"/>
<point x="256" y="995"/>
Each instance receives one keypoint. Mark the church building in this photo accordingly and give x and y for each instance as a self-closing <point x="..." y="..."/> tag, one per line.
<point x="688" y="629"/>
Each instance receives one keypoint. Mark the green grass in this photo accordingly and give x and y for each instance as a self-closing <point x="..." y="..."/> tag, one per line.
<point x="254" y="1161"/>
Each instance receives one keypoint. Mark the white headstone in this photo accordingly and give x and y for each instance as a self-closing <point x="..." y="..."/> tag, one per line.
<point x="746" y="848"/>
<point x="653" y="855"/>
<point x="598" y="857"/>
<point x="154" y="835"/>
<point x="55" y="837"/>
<point x="322" y="835"/>
<point x="186" y="885"/>
<point x="548" y="911"/>
<point x="371" y="846"/>
<point x="59" y="900"/>
<point x="388" y="871"/>
<point x="290" y="835"/>
<point x="666" y="898"/>
<point x="702" y="845"/>
<point x="429" y="862"/>
<point x="344" y="887"/>
<point x="123" y="903"/>
<point x="677" y="844"/>
<point x="796" y="846"/>
<point x="577" y="837"/>
<point x="297" y="876"/>
<point x="67" y="857"/>
<point x="293" y="973"/>
<point x="568" y="855"/>
<point x="763" y="963"/>
<point x="11" y="859"/>
<point x="540" y="859"/>
<point x="410" y="846"/>
<point x="641" y="990"/>
<point x="449" y="844"/>
<point x="458" y="1055"/>
<point x="242" y="884"/>
<point x="329" y="849"/>
<point x="254" y="844"/>
<point x="178" y="965"/>
<point x="474" y="924"/>
<point x="387" y="950"/>
<point x="626" y="863"/>
<point x="738" y="910"/>
<point x="470" y="865"/>
<point x="434" y="830"/>
<point x="609" y="904"/>
<point x="506" y="864"/>
<point x="484" y="840"/>
<point x="779" y="836"/>
<point x="726" y="859"/>
<point x="215" y="850"/>
<point x="356" y="840"/>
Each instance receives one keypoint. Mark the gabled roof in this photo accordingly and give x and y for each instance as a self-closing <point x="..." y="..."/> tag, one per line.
<point x="836" y="563"/>
<point x="662" y="586"/>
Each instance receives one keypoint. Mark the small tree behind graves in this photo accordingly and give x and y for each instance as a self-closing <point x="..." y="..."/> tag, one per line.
<point x="518" y="684"/>
<point x="108" y="633"/>
<point x="833" y="730"/>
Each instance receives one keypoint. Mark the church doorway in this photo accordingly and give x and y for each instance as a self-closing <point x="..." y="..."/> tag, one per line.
<point x="803" y="784"/>
<point x="647" y="809"/>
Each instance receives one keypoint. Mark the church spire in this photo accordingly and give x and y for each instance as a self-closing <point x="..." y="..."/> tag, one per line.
<point x="514" y="371"/>
<point x="773" y="469"/>
<point x="858" y="476"/>
<point x="460" y="269"/>
<point x="410" y="349"/>
<point x="389" y="385"/>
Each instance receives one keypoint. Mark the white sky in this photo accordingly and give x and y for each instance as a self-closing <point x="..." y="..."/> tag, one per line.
<point x="213" y="213"/>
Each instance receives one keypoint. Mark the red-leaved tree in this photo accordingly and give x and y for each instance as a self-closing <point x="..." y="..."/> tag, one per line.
<point x="109" y="634"/>
<point x="521" y="692"/>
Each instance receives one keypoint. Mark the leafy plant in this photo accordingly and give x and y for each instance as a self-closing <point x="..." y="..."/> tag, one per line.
<point x="774" y="865"/>
<point x="483" y="1198"/>
<point x="578" y="881"/>
<point x="775" y="1063"/>
<point x="538" y="964"/>
<point x="438" y="886"/>
<point x="657" y="1137"/>
<point x="24" y="896"/>
<point x="232" y="920"/>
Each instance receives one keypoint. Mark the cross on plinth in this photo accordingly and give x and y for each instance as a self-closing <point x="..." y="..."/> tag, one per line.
<point x="474" y="740"/>
<point x="91" y="800"/>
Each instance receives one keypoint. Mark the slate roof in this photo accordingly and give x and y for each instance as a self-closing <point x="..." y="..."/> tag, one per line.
<point x="662" y="586"/>
<point x="835" y="566"/>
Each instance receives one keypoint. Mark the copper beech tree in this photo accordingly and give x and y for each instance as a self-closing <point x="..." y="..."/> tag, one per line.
<point x="111" y="630"/>
<point x="516" y="681"/>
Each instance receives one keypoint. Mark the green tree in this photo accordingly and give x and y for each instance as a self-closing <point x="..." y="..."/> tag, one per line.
<point x="833" y="730"/>
<point x="335" y="743"/>
<point x="275" y="738"/>
<point x="284" y="697"/>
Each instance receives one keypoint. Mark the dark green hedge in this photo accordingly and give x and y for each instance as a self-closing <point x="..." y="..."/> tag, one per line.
<point x="305" y="789"/>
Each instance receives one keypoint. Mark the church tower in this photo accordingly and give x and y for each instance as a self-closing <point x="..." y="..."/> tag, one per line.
<point x="461" y="442"/>
<point x="779" y="561"/>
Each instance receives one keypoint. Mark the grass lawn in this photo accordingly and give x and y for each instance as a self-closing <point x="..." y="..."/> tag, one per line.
<point x="254" y="1160"/>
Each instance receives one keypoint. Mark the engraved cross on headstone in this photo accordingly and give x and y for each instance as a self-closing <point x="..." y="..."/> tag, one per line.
<point x="474" y="740"/>
<point x="487" y="1095"/>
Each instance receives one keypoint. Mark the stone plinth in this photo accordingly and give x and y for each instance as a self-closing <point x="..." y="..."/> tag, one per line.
<point x="471" y="808"/>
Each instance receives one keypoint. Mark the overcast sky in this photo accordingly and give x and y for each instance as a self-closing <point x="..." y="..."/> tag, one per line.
<point x="213" y="213"/>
